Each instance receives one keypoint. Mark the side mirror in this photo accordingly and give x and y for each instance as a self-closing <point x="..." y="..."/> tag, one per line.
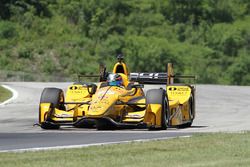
<point x="136" y="88"/>
<point x="92" y="89"/>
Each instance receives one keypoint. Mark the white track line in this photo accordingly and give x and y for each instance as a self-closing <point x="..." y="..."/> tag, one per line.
<point x="14" y="95"/>
<point x="88" y="145"/>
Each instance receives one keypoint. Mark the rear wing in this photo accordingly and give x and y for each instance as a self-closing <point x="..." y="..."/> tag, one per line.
<point x="149" y="78"/>
<point x="143" y="77"/>
<point x="159" y="78"/>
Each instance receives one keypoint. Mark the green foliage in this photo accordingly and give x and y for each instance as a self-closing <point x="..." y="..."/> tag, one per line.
<point x="7" y="30"/>
<point x="208" y="38"/>
<point x="239" y="70"/>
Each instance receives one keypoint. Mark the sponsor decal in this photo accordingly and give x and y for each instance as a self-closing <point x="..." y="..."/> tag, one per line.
<point x="134" y="116"/>
<point x="73" y="88"/>
<point x="148" y="75"/>
<point x="101" y="93"/>
<point x="63" y="115"/>
<point x="178" y="90"/>
<point x="77" y="89"/>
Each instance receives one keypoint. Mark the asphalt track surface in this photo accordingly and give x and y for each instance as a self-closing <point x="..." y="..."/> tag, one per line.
<point x="218" y="109"/>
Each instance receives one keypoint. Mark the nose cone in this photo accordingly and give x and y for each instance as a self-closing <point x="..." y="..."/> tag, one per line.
<point x="101" y="103"/>
<point x="100" y="107"/>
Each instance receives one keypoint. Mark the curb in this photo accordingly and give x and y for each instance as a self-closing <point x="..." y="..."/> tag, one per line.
<point x="14" y="95"/>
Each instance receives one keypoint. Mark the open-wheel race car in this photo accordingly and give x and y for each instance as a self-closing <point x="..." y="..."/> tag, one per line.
<point x="119" y="101"/>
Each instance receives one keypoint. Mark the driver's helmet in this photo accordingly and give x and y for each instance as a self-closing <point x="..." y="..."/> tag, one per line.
<point x="114" y="80"/>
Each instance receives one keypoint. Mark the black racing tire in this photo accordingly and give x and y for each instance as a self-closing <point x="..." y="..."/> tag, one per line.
<point x="192" y="104"/>
<point x="159" y="96"/>
<point x="49" y="126"/>
<point x="186" y="125"/>
<point x="56" y="98"/>
<point x="90" y="123"/>
<point x="103" y="124"/>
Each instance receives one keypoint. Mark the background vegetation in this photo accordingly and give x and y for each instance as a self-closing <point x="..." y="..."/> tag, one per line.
<point x="209" y="38"/>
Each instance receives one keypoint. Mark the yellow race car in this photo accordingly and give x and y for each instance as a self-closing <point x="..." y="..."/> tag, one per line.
<point x="119" y="101"/>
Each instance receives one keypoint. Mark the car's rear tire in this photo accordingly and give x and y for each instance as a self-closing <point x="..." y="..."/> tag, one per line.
<point x="56" y="98"/>
<point x="159" y="96"/>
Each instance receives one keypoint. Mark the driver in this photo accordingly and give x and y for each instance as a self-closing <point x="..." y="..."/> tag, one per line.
<point x="115" y="80"/>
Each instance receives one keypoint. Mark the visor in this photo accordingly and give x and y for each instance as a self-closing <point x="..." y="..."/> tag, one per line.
<point x="115" y="83"/>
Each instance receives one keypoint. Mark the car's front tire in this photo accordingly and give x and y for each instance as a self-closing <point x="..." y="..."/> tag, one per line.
<point x="56" y="98"/>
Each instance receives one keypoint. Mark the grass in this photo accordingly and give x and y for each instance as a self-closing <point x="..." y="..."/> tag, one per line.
<point x="204" y="150"/>
<point x="4" y="94"/>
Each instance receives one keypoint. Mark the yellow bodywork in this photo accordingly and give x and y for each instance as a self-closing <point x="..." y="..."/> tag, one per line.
<point x="102" y="104"/>
<point x="153" y="115"/>
<point x="44" y="109"/>
<point x="179" y="104"/>
<point x="125" y="105"/>
<point x="78" y="94"/>
<point x="121" y="67"/>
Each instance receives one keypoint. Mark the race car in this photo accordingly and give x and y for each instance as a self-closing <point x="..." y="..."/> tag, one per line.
<point x="119" y="101"/>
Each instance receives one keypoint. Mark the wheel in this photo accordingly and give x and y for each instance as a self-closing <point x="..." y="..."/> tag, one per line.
<point x="186" y="125"/>
<point x="89" y="123"/>
<point x="192" y="104"/>
<point x="49" y="125"/>
<point x="103" y="124"/>
<point x="56" y="98"/>
<point x="158" y="96"/>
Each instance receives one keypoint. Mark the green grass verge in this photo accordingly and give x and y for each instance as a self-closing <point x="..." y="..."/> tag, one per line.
<point x="4" y="94"/>
<point x="219" y="149"/>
